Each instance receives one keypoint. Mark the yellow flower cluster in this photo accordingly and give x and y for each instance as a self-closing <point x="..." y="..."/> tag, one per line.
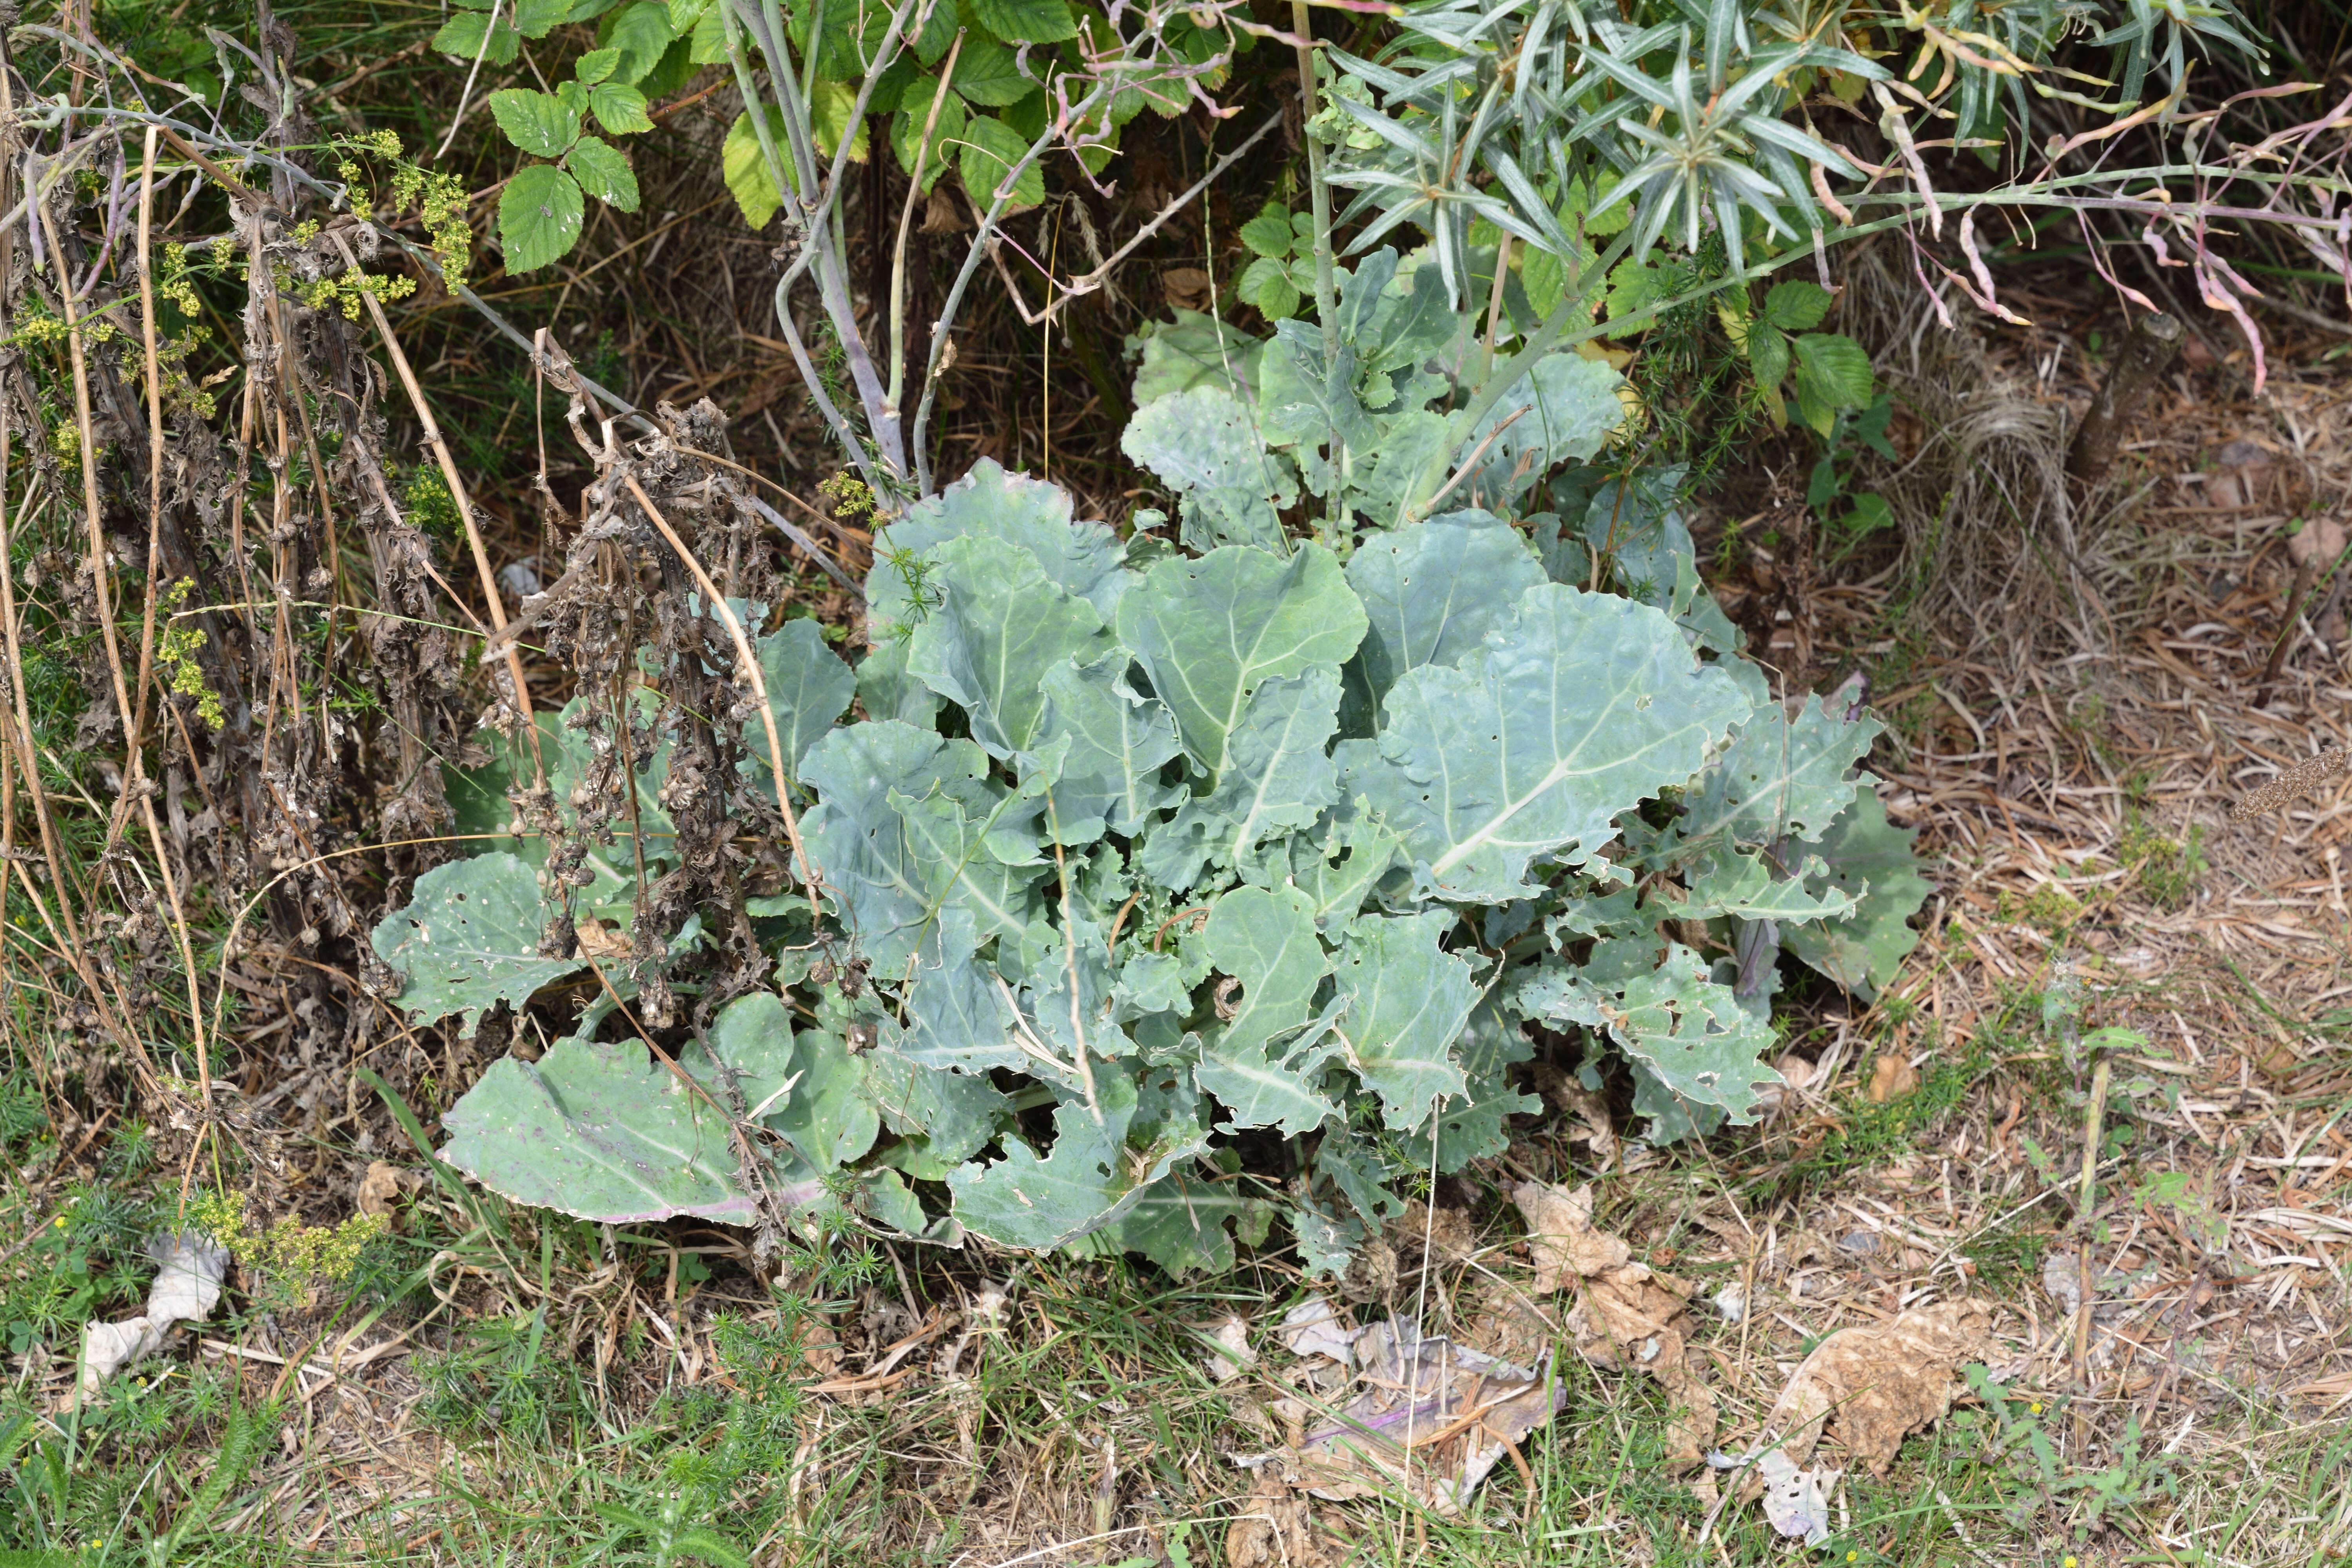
<point x="175" y="660"/>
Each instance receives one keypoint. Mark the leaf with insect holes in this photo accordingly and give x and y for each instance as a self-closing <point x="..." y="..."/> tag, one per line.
<point x="1263" y="1064"/>
<point x="540" y="214"/>
<point x="1278" y="776"/>
<point x="1693" y="1035"/>
<point x="1205" y="445"/>
<point x="1864" y="855"/>
<point x="537" y="123"/>
<point x="1094" y="1173"/>
<point x="1779" y="778"/>
<point x="1559" y="411"/>
<point x="468" y="940"/>
<point x="1183" y="1224"/>
<point x="1582" y="707"/>
<point x="603" y="172"/>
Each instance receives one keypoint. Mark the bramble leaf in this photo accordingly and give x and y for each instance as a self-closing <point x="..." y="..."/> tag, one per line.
<point x="539" y="216"/>
<point x="537" y="123"/>
<point x="603" y="172"/>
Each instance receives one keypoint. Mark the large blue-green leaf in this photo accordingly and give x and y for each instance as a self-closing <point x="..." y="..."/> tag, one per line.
<point x="1193" y="350"/>
<point x="909" y="824"/>
<point x="1184" y="1224"/>
<point x="1205" y="446"/>
<point x="1083" y="558"/>
<point x="999" y="626"/>
<point x="1208" y="631"/>
<point x="1559" y="411"/>
<point x="808" y="686"/>
<point x="1263" y="1065"/>
<point x="956" y="1114"/>
<point x="1433" y="591"/>
<point x="469" y="940"/>
<point x="1119" y="742"/>
<point x="603" y="1133"/>
<point x="1277" y="775"/>
<point x="958" y="1013"/>
<point x="1780" y="779"/>
<point x="1864" y="855"/>
<point x="1094" y="1173"/>
<point x="1407" y="1003"/>
<point x="1757" y="887"/>
<point x="1583" y="707"/>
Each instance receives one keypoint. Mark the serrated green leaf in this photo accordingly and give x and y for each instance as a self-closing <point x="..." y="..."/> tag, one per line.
<point x="989" y="151"/>
<point x="1208" y="631"/>
<point x="902" y="830"/>
<point x="1833" y="373"/>
<point x="988" y="74"/>
<point x="1796" y="306"/>
<point x="808" y="688"/>
<point x="537" y="18"/>
<point x="1119" y="742"/>
<point x="462" y="36"/>
<point x="469" y="940"/>
<point x="535" y="121"/>
<point x="1025" y="21"/>
<point x="914" y="113"/>
<point x="602" y="1133"/>
<point x="619" y="108"/>
<point x="1407" y="1001"/>
<point x="745" y="167"/>
<point x="1693" y="1035"/>
<point x="642" y="34"/>
<point x="603" y="172"/>
<point x="1261" y="1065"/>
<point x="1000" y="625"/>
<point x="1193" y="350"/>
<point x="1861" y="850"/>
<point x="1433" y="592"/>
<point x="1768" y="356"/>
<point x="1204" y="445"/>
<point x="1269" y="233"/>
<point x="1093" y="1175"/>
<point x="1780" y="779"/>
<point x="707" y="46"/>
<point x="540" y="214"/>
<point x="1583" y="708"/>
<point x="595" y="66"/>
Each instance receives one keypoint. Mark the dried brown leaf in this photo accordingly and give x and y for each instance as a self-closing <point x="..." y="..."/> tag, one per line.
<point x="1878" y="1384"/>
<point x="1276" y="1528"/>
<point x="1892" y="1080"/>
<point x="383" y="1187"/>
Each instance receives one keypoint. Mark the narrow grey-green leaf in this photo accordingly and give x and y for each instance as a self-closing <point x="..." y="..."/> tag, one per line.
<point x="469" y="940"/>
<point x="1585" y="706"/>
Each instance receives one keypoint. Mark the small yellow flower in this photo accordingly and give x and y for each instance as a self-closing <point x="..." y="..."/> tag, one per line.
<point x="2034" y="1408"/>
<point x="2070" y="1560"/>
<point x="61" y="1222"/>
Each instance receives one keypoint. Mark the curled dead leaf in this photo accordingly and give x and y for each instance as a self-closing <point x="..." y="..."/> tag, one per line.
<point x="383" y="1186"/>
<point x="1876" y="1384"/>
<point x="1892" y="1078"/>
<point x="1187" y="287"/>
<point x="1626" y="1314"/>
<point x="1276" y="1528"/>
